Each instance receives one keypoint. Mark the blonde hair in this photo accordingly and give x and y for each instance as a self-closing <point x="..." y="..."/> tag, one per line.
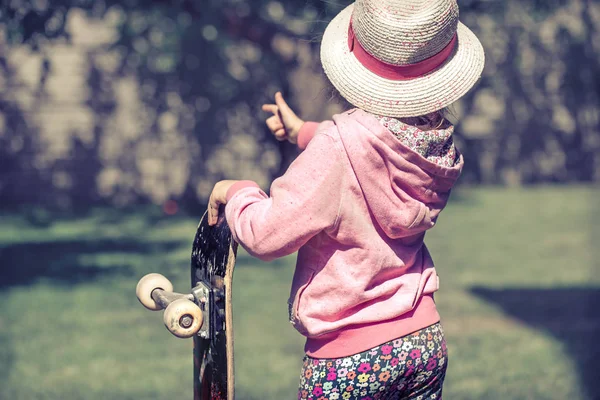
<point x="434" y="120"/>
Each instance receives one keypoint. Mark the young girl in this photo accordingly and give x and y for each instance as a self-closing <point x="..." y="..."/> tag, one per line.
<point x="357" y="201"/>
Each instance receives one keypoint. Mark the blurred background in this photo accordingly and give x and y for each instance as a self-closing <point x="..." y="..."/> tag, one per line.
<point x="117" y="118"/>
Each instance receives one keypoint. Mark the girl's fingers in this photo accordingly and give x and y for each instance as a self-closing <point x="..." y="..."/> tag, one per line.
<point x="274" y="123"/>
<point x="272" y="108"/>
<point x="282" y="105"/>
<point x="282" y="115"/>
<point x="210" y="214"/>
<point x="218" y="197"/>
<point x="213" y="211"/>
<point x="280" y="134"/>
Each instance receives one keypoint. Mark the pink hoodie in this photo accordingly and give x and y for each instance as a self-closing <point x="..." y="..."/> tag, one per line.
<point x="355" y="204"/>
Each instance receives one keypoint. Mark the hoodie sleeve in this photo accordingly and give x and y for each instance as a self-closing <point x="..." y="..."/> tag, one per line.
<point x="308" y="131"/>
<point x="302" y="202"/>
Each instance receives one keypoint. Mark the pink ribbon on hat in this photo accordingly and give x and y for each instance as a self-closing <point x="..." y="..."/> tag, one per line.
<point x="397" y="72"/>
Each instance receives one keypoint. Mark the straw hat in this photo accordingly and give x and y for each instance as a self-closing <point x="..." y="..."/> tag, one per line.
<point x="401" y="58"/>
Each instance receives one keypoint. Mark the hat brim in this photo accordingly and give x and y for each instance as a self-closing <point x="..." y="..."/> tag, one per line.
<point x="406" y="98"/>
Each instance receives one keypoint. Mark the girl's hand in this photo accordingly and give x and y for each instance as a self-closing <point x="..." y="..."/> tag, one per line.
<point x="284" y="123"/>
<point x="217" y="197"/>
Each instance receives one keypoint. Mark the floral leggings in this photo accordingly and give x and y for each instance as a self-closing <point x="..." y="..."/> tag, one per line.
<point x="411" y="367"/>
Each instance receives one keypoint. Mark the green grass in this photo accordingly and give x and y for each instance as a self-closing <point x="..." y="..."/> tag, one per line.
<point x="518" y="272"/>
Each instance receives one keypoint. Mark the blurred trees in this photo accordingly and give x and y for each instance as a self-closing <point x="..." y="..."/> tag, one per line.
<point x="132" y="101"/>
<point x="192" y="76"/>
<point x="535" y="116"/>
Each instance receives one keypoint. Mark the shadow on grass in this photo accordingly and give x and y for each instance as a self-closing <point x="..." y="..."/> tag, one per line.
<point x="7" y="356"/>
<point x="569" y="314"/>
<point x="25" y="263"/>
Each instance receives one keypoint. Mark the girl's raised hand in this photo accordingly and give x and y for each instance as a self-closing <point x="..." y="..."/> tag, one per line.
<point x="284" y="123"/>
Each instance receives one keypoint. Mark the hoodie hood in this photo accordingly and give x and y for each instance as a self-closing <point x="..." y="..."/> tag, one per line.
<point x="404" y="191"/>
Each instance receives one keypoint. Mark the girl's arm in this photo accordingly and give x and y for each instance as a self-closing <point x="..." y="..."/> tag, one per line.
<point x="302" y="203"/>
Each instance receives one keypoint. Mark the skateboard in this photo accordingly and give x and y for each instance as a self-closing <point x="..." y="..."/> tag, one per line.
<point x="205" y="314"/>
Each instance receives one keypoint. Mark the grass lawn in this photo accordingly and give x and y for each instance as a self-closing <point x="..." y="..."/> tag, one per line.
<point x="519" y="301"/>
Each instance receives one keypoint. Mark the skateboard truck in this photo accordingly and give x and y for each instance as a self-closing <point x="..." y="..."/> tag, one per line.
<point x="182" y="316"/>
<point x="202" y="295"/>
<point x="185" y="314"/>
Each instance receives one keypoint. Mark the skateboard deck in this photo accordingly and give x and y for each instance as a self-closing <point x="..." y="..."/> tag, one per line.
<point x="205" y="314"/>
<point x="213" y="260"/>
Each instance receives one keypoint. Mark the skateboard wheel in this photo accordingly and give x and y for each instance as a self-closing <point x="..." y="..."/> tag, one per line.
<point x="146" y="285"/>
<point x="183" y="318"/>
